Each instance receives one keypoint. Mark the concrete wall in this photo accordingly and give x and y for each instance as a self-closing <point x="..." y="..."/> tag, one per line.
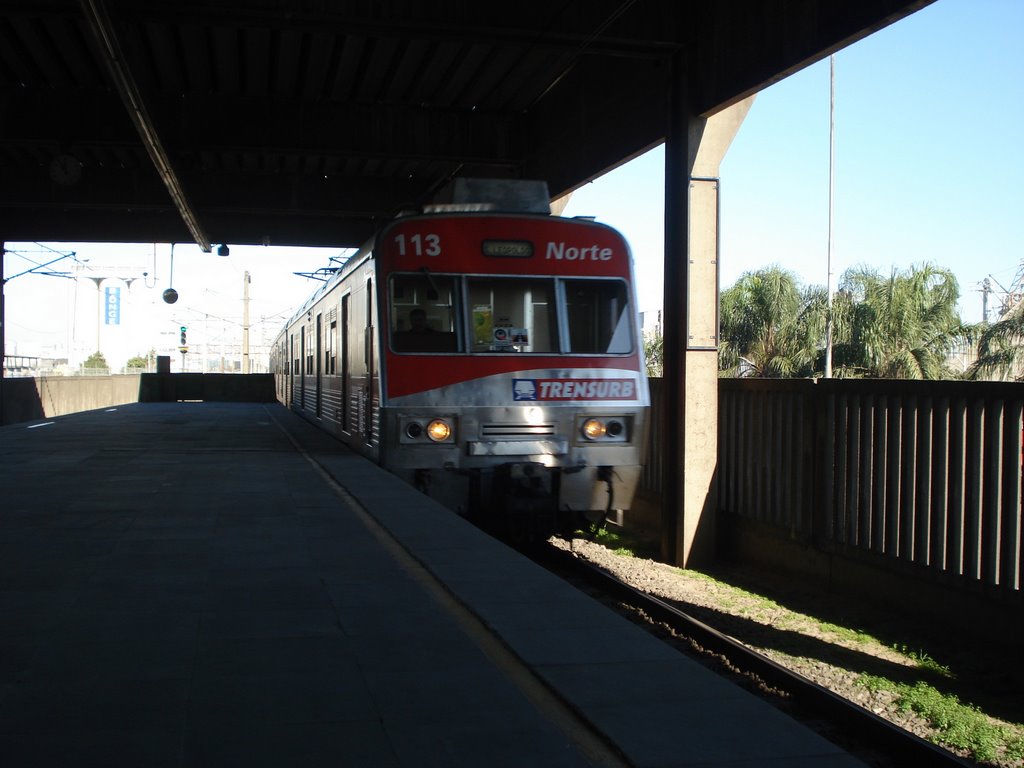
<point x="213" y="387"/>
<point x="30" y="399"/>
<point x="948" y="603"/>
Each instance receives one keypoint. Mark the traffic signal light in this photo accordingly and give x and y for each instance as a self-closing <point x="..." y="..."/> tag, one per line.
<point x="183" y="329"/>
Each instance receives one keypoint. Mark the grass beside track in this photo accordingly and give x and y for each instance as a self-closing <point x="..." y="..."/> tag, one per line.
<point x="962" y="727"/>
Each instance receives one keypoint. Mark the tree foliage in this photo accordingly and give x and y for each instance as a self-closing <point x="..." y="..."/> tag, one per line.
<point x="141" y="362"/>
<point x="1000" y="349"/>
<point x="898" y="327"/>
<point x="137" y="362"/>
<point x="654" y="353"/>
<point x="902" y="326"/>
<point x="96" y="360"/>
<point x="769" y="326"/>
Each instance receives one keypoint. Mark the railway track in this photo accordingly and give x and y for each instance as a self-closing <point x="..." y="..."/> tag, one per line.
<point x="874" y="739"/>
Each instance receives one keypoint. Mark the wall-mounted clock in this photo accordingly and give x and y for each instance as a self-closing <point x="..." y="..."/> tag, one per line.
<point x="65" y="170"/>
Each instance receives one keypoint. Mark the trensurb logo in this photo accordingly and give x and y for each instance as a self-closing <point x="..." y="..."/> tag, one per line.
<point x="574" y="389"/>
<point x="524" y="389"/>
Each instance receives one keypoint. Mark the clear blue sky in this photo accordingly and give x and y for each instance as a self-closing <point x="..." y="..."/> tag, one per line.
<point x="929" y="116"/>
<point x="929" y="162"/>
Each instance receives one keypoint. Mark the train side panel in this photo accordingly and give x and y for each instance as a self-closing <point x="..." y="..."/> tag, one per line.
<point x="329" y="370"/>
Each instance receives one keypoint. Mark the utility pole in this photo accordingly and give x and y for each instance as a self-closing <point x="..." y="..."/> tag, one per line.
<point x="98" y="282"/>
<point x="245" y="324"/>
<point x="3" y="331"/>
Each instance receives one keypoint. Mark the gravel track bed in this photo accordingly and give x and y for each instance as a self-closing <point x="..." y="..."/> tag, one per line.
<point x="783" y="622"/>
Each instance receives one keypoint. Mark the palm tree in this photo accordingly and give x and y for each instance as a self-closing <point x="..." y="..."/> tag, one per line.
<point x="1000" y="349"/>
<point x="766" y="328"/>
<point x="900" y="327"/>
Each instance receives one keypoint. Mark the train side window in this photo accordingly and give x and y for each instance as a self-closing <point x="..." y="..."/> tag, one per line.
<point x="422" y="313"/>
<point x="310" y="351"/>
<point x="511" y="314"/>
<point x="330" y="350"/>
<point x="599" y="317"/>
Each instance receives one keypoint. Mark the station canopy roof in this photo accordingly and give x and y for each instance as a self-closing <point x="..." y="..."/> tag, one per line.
<point x="311" y="122"/>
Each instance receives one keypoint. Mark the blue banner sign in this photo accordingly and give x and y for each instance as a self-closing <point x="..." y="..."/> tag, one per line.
<point x="113" y="308"/>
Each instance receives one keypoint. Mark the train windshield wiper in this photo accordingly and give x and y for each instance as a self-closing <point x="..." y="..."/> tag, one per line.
<point x="430" y="281"/>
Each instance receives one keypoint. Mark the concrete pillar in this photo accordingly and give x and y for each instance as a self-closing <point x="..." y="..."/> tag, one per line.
<point x="3" y="330"/>
<point x="694" y="150"/>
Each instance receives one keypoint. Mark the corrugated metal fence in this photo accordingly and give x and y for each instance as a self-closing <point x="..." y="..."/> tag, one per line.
<point x="925" y="473"/>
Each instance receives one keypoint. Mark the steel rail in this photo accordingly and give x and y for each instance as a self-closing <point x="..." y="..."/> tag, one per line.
<point x="880" y="735"/>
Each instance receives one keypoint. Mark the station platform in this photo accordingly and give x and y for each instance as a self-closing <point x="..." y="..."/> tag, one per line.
<point x="221" y="584"/>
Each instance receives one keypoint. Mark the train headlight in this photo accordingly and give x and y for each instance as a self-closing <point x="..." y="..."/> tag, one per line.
<point x="604" y="429"/>
<point x="439" y="430"/>
<point x="424" y="430"/>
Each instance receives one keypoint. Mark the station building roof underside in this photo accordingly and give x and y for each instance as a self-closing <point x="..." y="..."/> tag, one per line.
<point x="308" y="122"/>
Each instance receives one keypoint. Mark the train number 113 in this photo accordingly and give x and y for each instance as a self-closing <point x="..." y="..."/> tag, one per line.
<point x="418" y="245"/>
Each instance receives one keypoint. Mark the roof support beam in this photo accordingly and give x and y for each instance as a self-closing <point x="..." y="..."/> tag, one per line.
<point x="103" y="30"/>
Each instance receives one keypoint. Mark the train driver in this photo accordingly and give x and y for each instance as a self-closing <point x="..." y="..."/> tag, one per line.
<point x="418" y="322"/>
<point x="421" y="337"/>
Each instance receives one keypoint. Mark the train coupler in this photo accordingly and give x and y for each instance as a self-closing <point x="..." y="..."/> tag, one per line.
<point x="422" y="480"/>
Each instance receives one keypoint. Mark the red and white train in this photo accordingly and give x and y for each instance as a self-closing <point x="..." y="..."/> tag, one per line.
<point x="487" y="353"/>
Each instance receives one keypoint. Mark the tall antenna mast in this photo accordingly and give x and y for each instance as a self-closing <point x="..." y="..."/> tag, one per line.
<point x="831" y="196"/>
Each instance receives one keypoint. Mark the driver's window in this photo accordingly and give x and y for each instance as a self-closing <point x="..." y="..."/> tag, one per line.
<point x="422" y="313"/>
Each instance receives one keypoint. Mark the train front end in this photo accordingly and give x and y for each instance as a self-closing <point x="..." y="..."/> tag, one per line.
<point x="513" y="380"/>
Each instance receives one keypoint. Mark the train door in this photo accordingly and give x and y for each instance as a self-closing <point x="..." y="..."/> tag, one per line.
<point x="289" y="351"/>
<point x="293" y="371"/>
<point x="346" y="368"/>
<point x="357" y="316"/>
<point x="319" y="367"/>
<point x="368" y="352"/>
<point x="331" y="403"/>
<point x="284" y="371"/>
<point x="302" y="371"/>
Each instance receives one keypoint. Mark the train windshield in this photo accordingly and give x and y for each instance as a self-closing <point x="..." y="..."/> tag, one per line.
<point x="511" y="314"/>
<point x="539" y="315"/>
<point x="599" y="322"/>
